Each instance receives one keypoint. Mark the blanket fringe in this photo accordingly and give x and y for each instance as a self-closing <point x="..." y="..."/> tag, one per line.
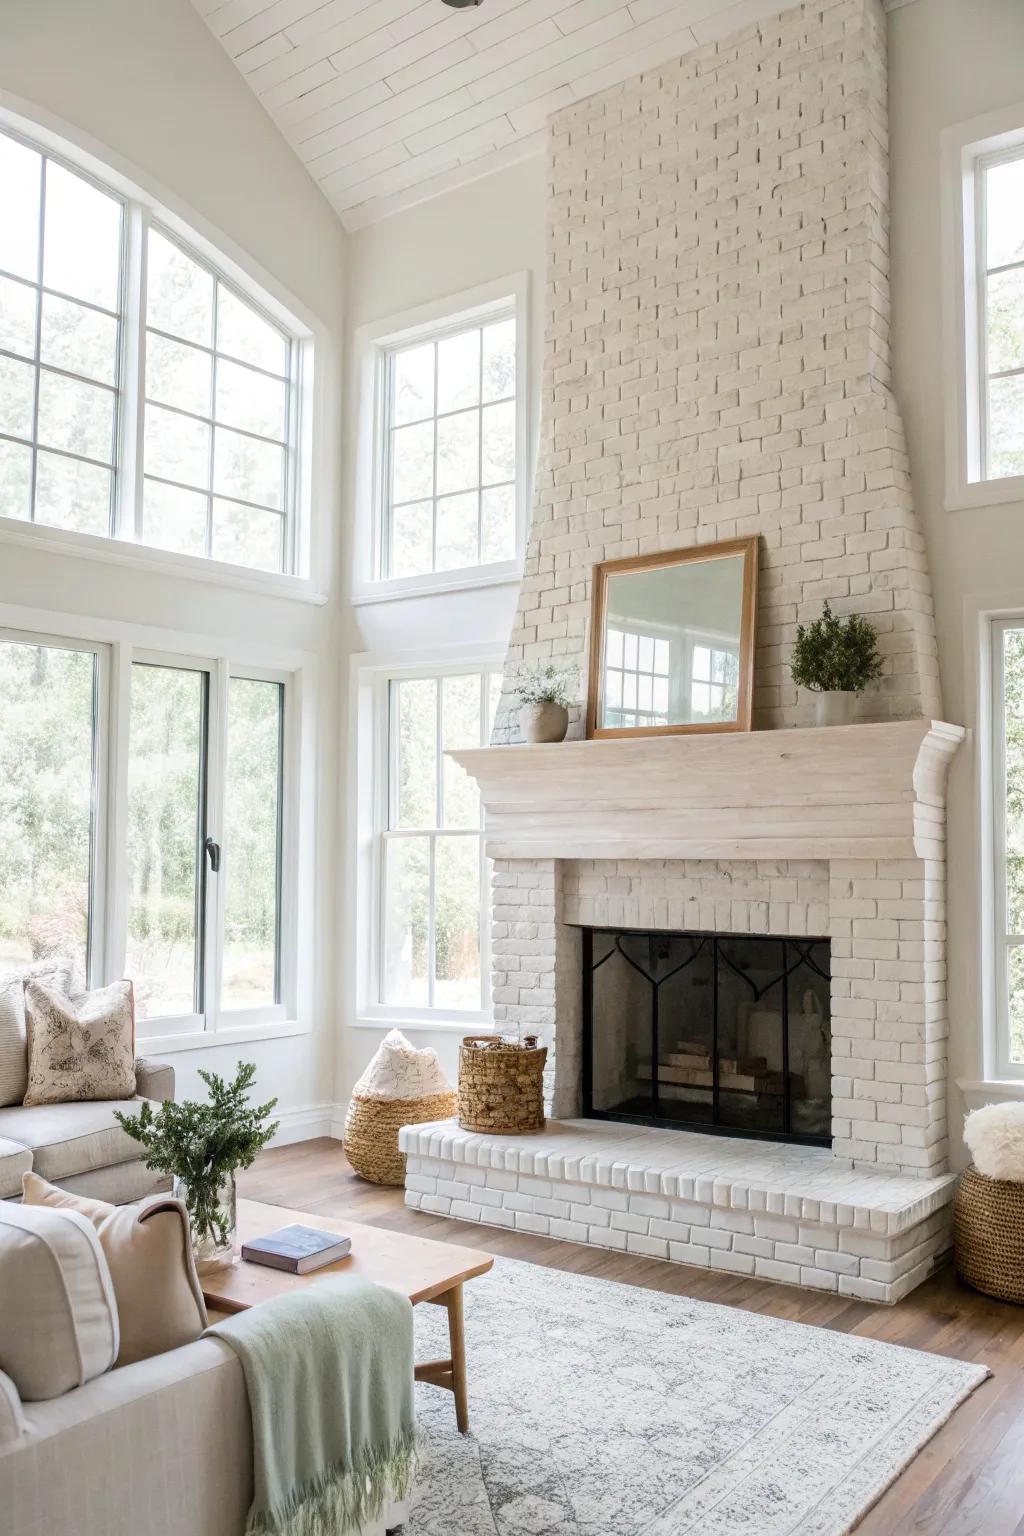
<point x="338" y="1500"/>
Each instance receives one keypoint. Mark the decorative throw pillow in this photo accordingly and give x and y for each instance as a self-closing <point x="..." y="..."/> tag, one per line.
<point x="400" y="1071"/>
<point x="995" y="1137"/>
<point x="58" y="1321"/>
<point x="38" y="1191"/>
<point x="13" y="1040"/>
<point x="148" y="1249"/>
<point x="81" y="1048"/>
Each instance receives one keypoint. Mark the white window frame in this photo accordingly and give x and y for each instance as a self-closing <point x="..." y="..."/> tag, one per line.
<point x="118" y="645"/>
<point x="999" y="939"/>
<point x="966" y="150"/>
<point x="371" y="729"/>
<point x="301" y="576"/>
<point x="373" y="344"/>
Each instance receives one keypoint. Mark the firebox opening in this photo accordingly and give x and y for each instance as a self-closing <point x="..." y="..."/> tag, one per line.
<point x="728" y="1033"/>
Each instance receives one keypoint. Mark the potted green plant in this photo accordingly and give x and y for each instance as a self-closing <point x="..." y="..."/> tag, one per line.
<point x="545" y="692"/>
<point x="202" y="1146"/>
<point x="836" y="659"/>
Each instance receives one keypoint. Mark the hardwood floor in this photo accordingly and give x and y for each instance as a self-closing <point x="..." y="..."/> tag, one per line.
<point x="968" y="1480"/>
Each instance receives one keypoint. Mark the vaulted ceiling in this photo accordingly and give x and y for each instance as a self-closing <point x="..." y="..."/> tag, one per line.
<point x="390" y="101"/>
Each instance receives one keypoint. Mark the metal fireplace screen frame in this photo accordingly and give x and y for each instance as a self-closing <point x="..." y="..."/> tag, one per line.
<point x="794" y="952"/>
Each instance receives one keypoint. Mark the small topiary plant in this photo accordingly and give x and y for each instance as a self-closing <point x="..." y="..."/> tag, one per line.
<point x="835" y="655"/>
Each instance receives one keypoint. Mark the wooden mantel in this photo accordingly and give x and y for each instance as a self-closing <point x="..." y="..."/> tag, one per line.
<point x="852" y="791"/>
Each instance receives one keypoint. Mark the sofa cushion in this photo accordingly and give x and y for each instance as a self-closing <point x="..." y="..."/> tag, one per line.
<point x="13" y="1036"/>
<point x="58" y="1323"/>
<point x="66" y="1139"/>
<point x="15" y="1160"/>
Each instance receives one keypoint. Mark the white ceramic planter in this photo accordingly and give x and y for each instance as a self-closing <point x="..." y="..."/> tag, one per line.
<point x="543" y="722"/>
<point x="834" y="707"/>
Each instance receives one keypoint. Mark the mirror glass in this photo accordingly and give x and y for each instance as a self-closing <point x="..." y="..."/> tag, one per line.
<point x="671" y="645"/>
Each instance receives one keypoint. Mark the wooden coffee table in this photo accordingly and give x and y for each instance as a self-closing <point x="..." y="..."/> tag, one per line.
<point x="418" y="1267"/>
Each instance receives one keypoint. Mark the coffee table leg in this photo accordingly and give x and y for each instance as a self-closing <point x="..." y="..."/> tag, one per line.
<point x="457" y="1337"/>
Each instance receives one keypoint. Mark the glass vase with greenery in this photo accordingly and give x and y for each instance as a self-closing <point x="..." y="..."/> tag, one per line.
<point x="836" y="659"/>
<point x="202" y="1146"/>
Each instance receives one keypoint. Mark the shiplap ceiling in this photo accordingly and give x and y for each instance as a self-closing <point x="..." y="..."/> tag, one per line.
<point x="388" y="102"/>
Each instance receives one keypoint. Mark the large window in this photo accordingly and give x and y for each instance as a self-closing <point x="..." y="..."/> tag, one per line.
<point x="449" y="447"/>
<point x="197" y="840"/>
<point x="433" y="943"/>
<point x="49" y="800"/>
<point x="143" y="394"/>
<point x="1008" y="805"/>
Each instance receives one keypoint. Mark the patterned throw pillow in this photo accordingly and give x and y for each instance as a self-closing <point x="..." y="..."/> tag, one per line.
<point x="80" y="1048"/>
<point x="13" y="1041"/>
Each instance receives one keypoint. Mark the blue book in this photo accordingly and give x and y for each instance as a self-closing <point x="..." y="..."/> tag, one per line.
<point x="297" y="1249"/>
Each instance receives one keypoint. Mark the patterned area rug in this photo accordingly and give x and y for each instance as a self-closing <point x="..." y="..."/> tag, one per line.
<point x="600" y="1409"/>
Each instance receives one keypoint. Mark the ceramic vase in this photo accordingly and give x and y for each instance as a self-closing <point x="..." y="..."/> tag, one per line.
<point x="834" y="707"/>
<point x="546" y="721"/>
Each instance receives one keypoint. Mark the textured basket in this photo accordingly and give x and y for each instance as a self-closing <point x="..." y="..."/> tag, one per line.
<point x="501" y="1085"/>
<point x="988" y="1235"/>
<point x="372" y="1126"/>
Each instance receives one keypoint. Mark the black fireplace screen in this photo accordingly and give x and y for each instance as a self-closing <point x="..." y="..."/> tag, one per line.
<point x="708" y="1031"/>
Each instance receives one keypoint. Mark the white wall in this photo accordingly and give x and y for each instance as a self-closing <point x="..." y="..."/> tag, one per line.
<point x="144" y="85"/>
<point x="491" y="229"/>
<point x="949" y="62"/>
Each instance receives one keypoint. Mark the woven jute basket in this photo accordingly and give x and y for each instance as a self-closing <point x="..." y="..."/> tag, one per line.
<point x="501" y="1085"/>
<point x="988" y="1235"/>
<point x="372" y="1126"/>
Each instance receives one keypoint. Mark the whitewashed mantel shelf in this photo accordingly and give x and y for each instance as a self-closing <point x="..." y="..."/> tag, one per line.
<point x="844" y="792"/>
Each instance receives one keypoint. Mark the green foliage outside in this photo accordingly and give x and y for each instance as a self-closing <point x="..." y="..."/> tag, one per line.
<point x="204" y="1144"/>
<point x="1013" y="700"/>
<point x="835" y="654"/>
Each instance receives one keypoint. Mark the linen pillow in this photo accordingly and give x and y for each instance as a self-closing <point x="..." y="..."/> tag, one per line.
<point x="58" y="1321"/>
<point x="80" y="1048"/>
<point x="13" y="1040"/>
<point x="149" y="1252"/>
<point x="39" y="1191"/>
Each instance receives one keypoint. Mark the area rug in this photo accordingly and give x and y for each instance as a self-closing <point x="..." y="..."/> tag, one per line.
<point x="599" y="1409"/>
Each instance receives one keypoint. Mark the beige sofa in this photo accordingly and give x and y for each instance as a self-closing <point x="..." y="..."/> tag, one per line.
<point x="162" y="1447"/>
<point x="81" y="1147"/>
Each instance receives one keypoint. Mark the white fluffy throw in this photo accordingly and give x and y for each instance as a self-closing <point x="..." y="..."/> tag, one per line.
<point x="400" y="1071"/>
<point x="995" y="1136"/>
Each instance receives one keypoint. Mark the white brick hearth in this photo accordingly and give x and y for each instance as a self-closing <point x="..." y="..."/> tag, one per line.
<point x="782" y="1213"/>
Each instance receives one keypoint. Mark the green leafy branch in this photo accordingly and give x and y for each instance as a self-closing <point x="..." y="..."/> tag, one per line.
<point x="203" y="1144"/>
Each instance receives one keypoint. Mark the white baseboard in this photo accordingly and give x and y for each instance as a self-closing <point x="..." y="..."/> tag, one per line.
<point x="307" y="1122"/>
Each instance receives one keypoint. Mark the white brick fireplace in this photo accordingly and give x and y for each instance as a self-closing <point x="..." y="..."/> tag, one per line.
<point x="717" y="366"/>
<point x="836" y="833"/>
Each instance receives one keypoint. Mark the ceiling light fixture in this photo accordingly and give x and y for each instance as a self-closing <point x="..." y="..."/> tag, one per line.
<point x="460" y="3"/>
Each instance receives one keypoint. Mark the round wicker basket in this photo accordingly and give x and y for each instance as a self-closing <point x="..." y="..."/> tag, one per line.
<point x="501" y="1085"/>
<point x="372" y="1126"/>
<point x="988" y="1235"/>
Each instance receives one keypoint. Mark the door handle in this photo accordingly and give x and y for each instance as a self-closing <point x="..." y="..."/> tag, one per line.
<point x="213" y="854"/>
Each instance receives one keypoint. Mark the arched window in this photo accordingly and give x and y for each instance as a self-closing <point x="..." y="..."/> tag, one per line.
<point x="145" y="394"/>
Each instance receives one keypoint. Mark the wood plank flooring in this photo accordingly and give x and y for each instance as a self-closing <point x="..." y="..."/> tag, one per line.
<point x="968" y="1481"/>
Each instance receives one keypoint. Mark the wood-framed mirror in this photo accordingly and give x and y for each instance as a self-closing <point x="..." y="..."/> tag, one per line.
<point x="672" y="642"/>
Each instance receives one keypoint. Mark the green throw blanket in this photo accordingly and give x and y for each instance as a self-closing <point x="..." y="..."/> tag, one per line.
<point x="329" y="1371"/>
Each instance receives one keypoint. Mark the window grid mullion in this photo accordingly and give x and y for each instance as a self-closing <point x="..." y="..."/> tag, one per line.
<point x="480" y="448"/>
<point x="433" y="488"/>
<point x="38" y="339"/>
<point x="213" y="428"/>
